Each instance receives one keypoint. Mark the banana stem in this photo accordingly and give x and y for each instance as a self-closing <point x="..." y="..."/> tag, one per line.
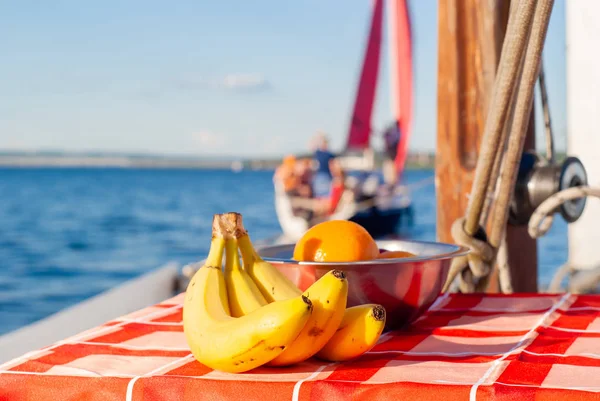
<point x="249" y="255"/>
<point x="217" y="244"/>
<point x="218" y="230"/>
<point x="232" y="224"/>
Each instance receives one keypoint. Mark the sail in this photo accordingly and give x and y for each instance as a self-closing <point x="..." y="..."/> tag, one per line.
<point x="360" y="124"/>
<point x="401" y="75"/>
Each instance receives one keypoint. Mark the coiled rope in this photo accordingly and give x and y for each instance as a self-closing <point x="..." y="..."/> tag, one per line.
<point x="517" y="74"/>
<point x="541" y="222"/>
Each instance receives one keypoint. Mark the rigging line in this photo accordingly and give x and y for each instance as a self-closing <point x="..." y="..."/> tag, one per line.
<point x="523" y="106"/>
<point x="547" y="120"/>
<point x="513" y="49"/>
<point x="492" y="192"/>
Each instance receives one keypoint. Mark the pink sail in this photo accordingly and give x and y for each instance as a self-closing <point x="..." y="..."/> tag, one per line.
<point x="360" y="125"/>
<point x="401" y="76"/>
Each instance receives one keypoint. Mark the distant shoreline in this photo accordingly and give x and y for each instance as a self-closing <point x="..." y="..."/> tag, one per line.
<point x="100" y="160"/>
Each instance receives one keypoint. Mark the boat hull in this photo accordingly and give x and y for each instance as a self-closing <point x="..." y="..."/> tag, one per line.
<point x="381" y="223"/>
<point x="382" y="220"/>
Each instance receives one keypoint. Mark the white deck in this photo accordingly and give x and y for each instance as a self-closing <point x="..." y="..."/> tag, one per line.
<point x="583" y="115"/>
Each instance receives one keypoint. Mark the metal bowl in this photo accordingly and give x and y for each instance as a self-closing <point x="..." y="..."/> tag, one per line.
<point x="406" y="287"/>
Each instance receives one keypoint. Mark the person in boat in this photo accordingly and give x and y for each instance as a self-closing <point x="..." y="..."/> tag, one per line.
<point x="327" y="205"/>
<point x="304" y="174"/>
<point x="391" y="138"/>
<point x="338" y="185"/>
<point x="324" y="160"/>
<point x="286" y="174"/>
<point x="295" y="176"/>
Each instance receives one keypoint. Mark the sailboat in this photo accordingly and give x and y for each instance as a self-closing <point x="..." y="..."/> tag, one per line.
<point x="161" y="283"/>
<point x="379" y="207"/>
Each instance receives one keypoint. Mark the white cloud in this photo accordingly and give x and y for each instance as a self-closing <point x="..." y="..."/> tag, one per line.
<point x="242" y="82"/>
<point x="208" y="140"/>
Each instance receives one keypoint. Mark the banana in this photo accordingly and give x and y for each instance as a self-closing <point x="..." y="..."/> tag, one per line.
<point x="360" y="327"/>
<point x="328" y="296"/>
<point x="230" y="344"/>
<point x="358" y="332"/>
<point x="273" y="285"/>
<point x="244" y="296"/>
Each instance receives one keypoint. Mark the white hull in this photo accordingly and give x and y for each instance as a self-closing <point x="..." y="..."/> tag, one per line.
<point x="146" y="290"/>
<point x="294" y="227"/>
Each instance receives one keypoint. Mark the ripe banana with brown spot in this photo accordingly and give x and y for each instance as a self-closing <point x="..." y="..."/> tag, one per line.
<point x="358" y="332"/>
<point x="361" y="325"/>
<point x="230" y="344"/>
<point x="328" y="296"/>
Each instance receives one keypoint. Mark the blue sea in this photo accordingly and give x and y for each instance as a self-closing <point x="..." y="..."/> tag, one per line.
<point x="68" y="234"/>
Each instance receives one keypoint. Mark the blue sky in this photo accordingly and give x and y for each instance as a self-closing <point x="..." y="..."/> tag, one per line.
<point x="210" y="77"/>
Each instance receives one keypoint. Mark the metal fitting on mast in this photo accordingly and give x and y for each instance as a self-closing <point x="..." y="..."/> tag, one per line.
<point x="538" y="179"/>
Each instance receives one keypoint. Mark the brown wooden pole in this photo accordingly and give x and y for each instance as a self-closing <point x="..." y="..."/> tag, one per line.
<point x="470" y="36"/>
<point x="522" y="249"/>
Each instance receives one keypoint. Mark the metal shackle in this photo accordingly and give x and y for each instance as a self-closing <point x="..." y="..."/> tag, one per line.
<point x="538" y="179"/>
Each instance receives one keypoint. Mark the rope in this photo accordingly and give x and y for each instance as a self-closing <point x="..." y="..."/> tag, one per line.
<point x="493" y="188"/>
<point x="558" y="278"/>
<point x="518" y="132"/>
<point x="504" y="276"/>
<point x="585" y="281"/>
<point x="540" y="223"/>
<point x="479" y="260"/>
<point x="542" y="219"/>
<point x="526" y="30"/>
<point x="547" y="120"/>
<point x="513" y="49"/>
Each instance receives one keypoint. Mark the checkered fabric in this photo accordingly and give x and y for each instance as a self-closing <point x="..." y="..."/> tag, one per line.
<point x="543" y="347"/>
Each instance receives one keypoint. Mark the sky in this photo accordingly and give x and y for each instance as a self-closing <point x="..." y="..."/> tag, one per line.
<point x="210" y="77"/>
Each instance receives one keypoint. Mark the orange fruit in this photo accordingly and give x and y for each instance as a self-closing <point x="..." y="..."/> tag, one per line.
<point x="336" y="241"/>
<point x="396" y="254"/>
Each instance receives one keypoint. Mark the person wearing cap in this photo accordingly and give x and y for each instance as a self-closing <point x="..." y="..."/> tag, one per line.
<point x="324" y="159"/>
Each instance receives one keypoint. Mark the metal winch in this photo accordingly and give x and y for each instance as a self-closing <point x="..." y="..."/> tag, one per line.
<point x="538" y="179"/>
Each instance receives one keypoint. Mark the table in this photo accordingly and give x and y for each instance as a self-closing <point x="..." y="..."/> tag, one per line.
<point x="481" y="347"/>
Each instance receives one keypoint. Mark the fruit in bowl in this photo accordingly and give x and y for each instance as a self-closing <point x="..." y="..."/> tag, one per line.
<point x="395" y="255"/>
<point x="405" y="278"/>
<point x="248" y="314"/>
<point x="341" y="241"/>
<point x="336" y="241"/>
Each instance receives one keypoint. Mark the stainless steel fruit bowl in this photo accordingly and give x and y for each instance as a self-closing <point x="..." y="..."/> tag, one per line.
<point x="406" y="287"/>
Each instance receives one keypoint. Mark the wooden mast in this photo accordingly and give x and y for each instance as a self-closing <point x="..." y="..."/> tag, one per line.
<point x="470" y="36"/>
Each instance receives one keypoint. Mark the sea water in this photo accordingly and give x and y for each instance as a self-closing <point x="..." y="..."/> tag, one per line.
<point x="67" y="234"/>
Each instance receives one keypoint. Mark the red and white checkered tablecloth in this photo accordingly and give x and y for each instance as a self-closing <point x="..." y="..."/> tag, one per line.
<point x="521" y="347"/>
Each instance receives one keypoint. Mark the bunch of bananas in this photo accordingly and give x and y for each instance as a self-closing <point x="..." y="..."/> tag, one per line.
<point x="241" y="317"/>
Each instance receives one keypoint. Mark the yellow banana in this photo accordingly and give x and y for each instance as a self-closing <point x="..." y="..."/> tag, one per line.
<point x="358" y="332"/>
<point x="328" y="296"/>
<point x="230" y="344"/>
<point x="244" y="296"/>
<point x="273" y="285"/>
